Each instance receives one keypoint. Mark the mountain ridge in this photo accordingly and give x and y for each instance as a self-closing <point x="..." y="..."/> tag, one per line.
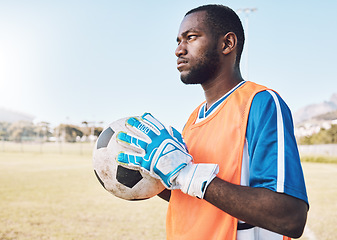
<point x="313" y="110"/>
<point x="7" y="115"/>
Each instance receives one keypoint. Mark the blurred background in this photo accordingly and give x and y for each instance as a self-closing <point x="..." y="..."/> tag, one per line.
<point x="97" y="61"/>
<point x="68" y="68"/>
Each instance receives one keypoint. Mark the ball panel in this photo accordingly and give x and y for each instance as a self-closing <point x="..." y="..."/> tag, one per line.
<point x="128" y="177"/>
<point x="99" y="179"/>
<point x="104" y="138"/>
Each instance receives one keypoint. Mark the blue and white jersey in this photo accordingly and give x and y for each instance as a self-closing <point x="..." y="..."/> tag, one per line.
<point x="270" y="159"/>
<point x="273" y="160"/>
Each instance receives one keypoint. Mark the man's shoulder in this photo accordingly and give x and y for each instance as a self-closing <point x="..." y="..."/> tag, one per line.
<point x="266" y="99"/>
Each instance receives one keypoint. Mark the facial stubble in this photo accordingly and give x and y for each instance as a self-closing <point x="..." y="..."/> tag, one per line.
<point x="204" y="70"/>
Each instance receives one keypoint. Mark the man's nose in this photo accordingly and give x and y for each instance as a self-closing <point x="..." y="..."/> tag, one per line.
<point x="180" y="50"/>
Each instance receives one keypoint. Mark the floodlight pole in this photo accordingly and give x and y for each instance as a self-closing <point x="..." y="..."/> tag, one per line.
<point x="246" y="11"/>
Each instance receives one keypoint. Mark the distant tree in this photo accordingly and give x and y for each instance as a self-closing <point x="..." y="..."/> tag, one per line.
<point x="4" y="131"/>
<point x="67" y="132"/>
<point x="86" y="129"/>
<point x="333" y="133"/>
<point x="306" y="140"/>
<point x="42" y="130"/>
<point x="98" y="131"/>
<point x="22" y="131"/>
<point x="89" y="129"/>
<point x="324" y="136"/>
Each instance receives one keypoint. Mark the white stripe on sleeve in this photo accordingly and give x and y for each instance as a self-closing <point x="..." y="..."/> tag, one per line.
<point x="280" y="145"/>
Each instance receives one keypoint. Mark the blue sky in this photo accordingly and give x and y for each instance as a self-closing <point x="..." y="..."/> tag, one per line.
<point x="73" y="61"/>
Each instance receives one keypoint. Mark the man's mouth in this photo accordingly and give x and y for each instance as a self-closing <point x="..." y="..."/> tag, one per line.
<point x="181" y="62"/>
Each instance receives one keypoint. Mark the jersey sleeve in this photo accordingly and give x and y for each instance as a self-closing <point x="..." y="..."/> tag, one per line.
<point x="274" y="161"/>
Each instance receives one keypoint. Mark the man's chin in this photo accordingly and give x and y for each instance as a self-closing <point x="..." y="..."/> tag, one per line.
<point x="187" y="79"/>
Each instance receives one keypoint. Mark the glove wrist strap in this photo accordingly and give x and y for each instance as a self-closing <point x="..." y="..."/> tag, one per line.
<point x="195" y="178"/>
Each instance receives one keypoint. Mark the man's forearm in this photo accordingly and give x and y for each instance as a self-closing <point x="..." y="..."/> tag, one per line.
<point x="260" y="207"/>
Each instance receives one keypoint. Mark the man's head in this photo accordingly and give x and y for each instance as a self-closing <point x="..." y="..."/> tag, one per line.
<point x="221" y="20"/>
<point x="203" y="38"/>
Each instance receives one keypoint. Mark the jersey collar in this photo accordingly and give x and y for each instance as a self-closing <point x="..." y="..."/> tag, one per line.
<point x="203" y="113"/>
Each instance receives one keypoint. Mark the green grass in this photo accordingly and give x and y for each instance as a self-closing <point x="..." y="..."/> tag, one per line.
<point x="319" y="159"/>
<point x="52" y="194"/>
<point x="57" y="196"/>
<point x="321" y="180"/>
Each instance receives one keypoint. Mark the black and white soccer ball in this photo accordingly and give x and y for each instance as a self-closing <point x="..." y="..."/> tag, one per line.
<point x="118" y="179"/>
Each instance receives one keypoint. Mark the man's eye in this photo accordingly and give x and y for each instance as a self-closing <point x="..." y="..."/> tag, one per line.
<point x="191" y="37"/>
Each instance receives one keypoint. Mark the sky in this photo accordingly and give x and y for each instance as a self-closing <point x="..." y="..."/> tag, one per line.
<point x="69" y="61"/>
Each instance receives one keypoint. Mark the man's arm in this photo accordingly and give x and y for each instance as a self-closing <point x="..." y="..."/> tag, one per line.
<point x="260" y="207"/>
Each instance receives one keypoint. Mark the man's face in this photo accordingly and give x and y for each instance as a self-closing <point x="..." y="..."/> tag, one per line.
<point x="197" y="51"/>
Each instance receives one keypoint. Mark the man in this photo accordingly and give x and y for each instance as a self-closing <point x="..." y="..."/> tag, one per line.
<point x="245" y="180"/>
<point x="210" y="57"/>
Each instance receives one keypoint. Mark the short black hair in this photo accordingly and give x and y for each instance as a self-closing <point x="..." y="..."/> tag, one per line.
<point x="222" y="20"/>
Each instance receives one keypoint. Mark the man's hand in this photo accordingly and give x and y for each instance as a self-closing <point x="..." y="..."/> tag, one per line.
<point x="162" y="153"/>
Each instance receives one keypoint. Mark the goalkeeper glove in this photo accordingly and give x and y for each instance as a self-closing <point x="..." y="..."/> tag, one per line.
<point x="162" y="153"/>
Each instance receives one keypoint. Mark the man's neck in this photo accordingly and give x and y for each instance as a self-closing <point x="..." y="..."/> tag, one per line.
<point x="216" y="88"/>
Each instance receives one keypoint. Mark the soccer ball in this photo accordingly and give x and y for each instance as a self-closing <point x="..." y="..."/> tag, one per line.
<point x="118" y="179"/>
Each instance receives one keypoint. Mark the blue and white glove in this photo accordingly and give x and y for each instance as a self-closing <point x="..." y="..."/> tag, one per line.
<point x="162" y="153"/>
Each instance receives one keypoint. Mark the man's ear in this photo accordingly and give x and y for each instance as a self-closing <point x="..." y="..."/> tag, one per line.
<point x="229" y="43"/>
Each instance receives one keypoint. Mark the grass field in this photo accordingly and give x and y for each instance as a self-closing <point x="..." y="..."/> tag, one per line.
<point x="48" y="193"/>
